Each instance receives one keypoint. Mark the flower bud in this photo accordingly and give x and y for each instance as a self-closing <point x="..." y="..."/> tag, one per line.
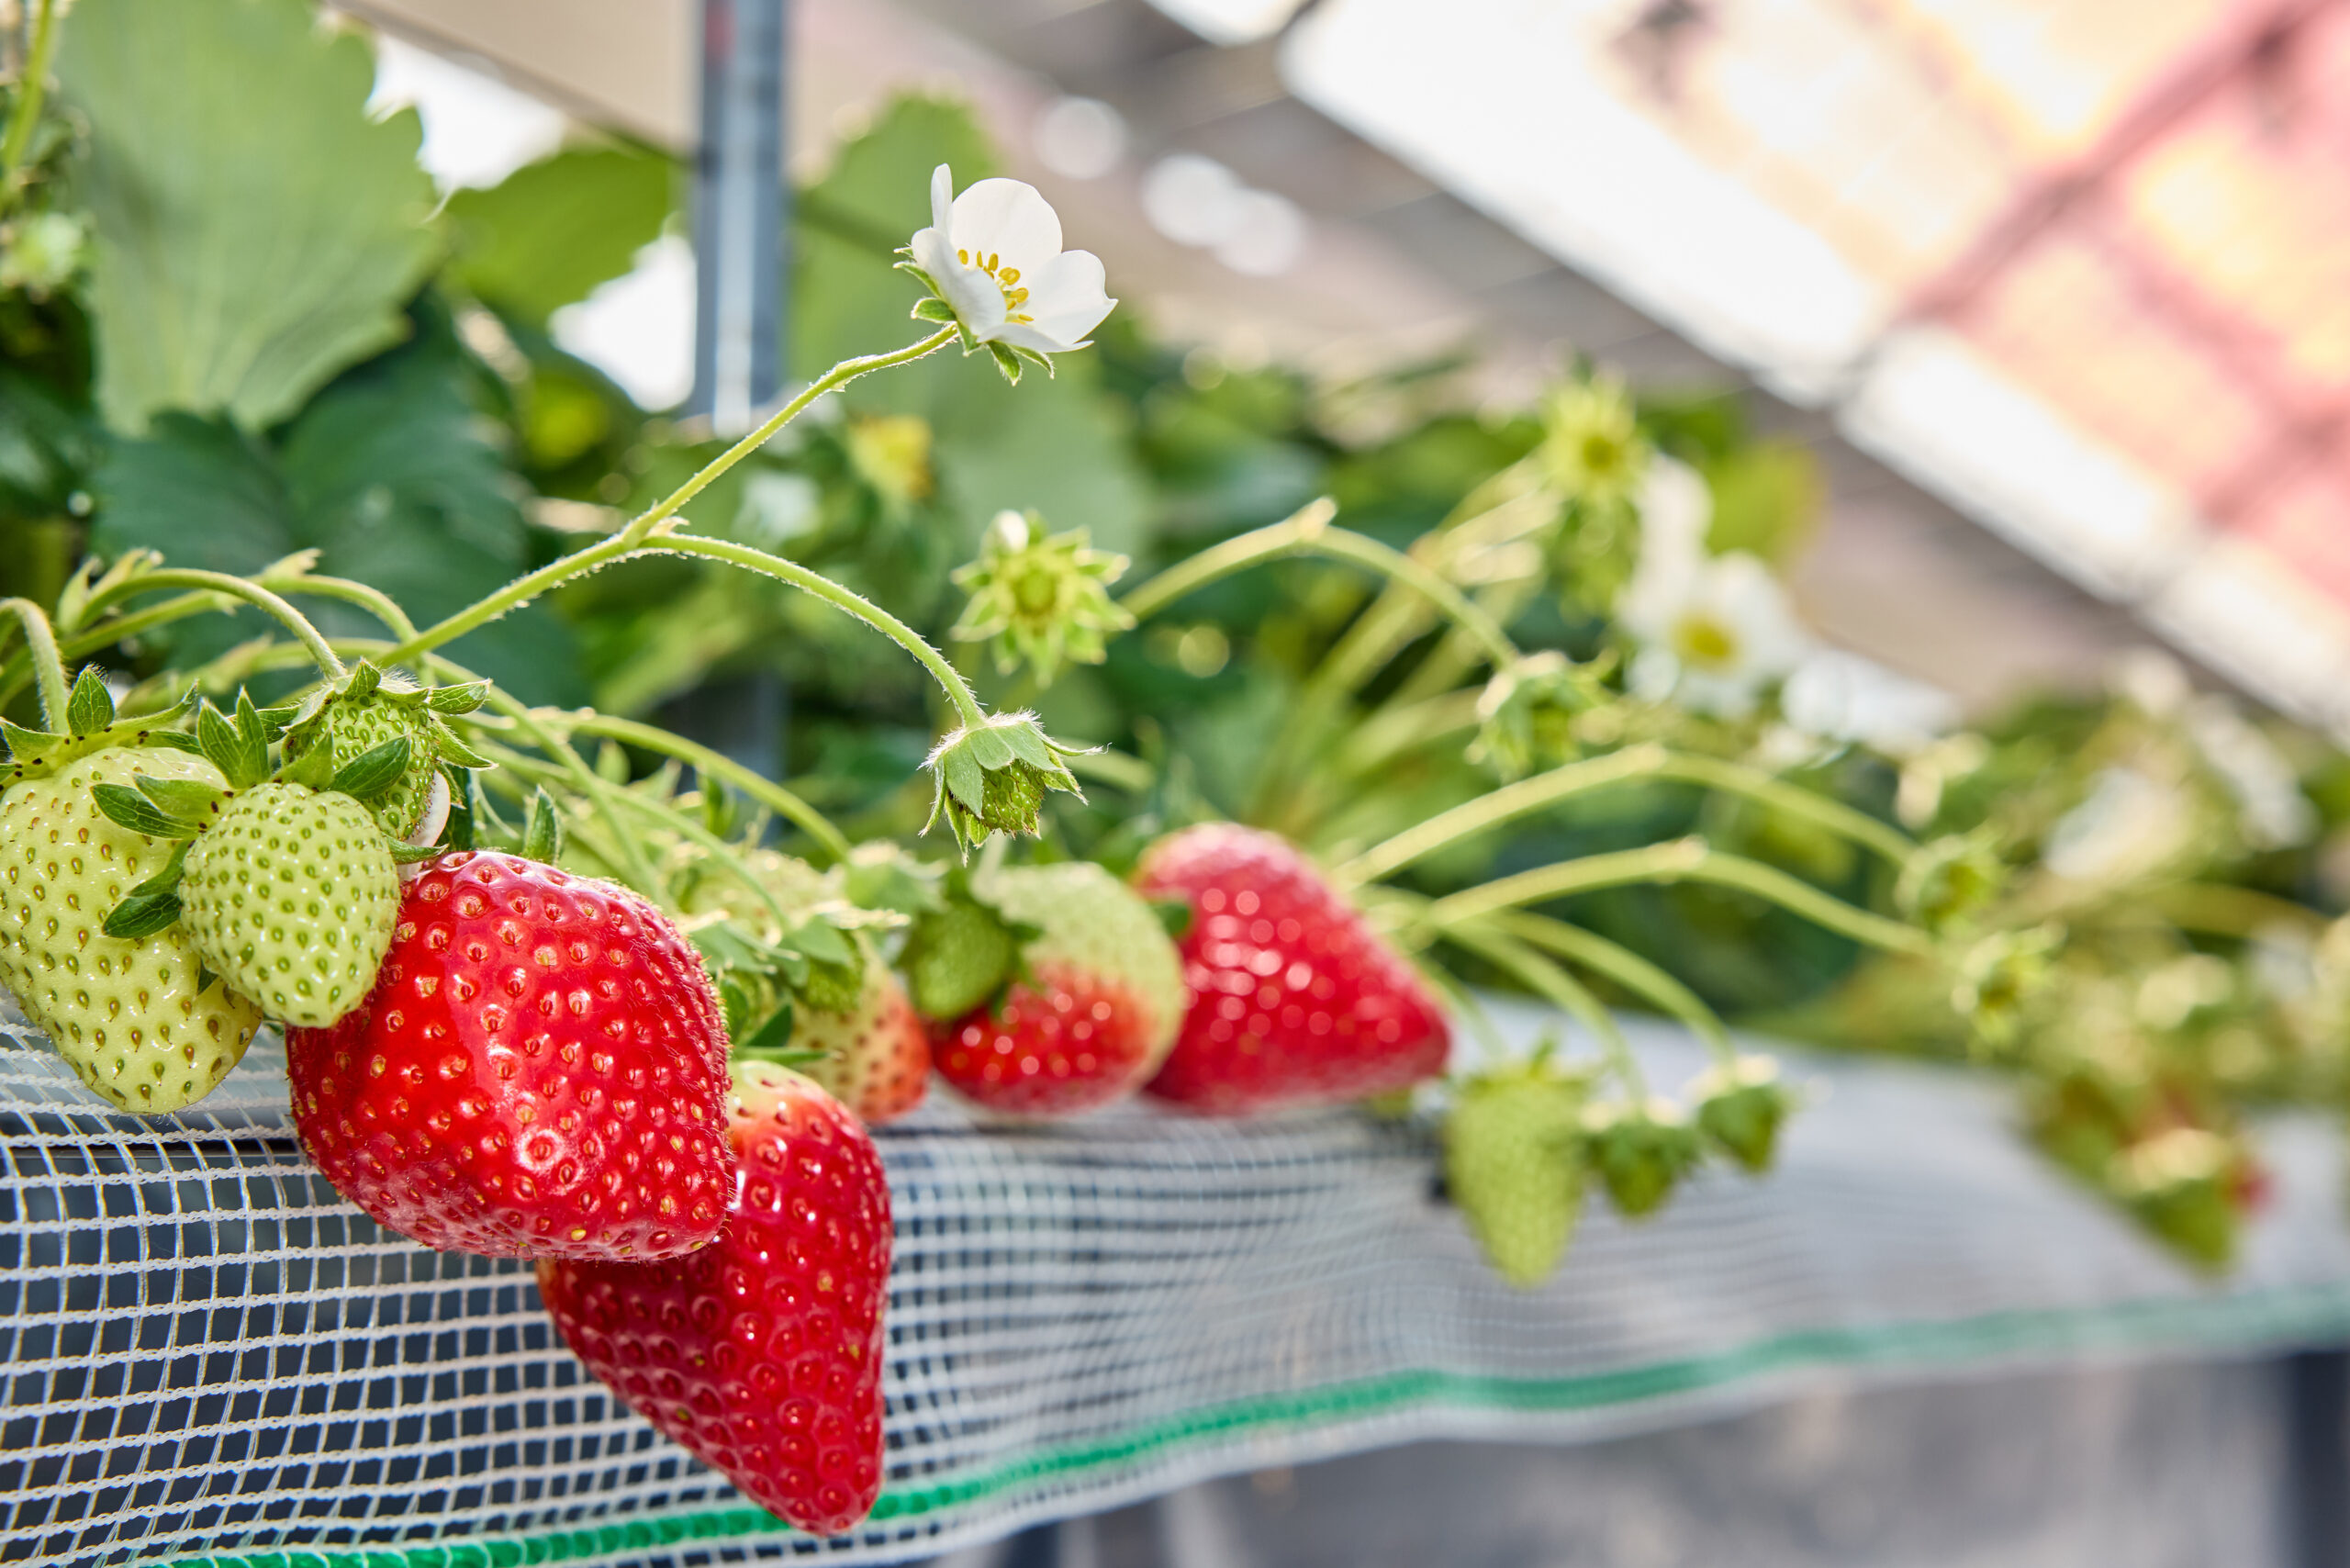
<point x="992" y="776"/>
<point x="1741" y="1104"/>
<point x="1641" y="1152"/>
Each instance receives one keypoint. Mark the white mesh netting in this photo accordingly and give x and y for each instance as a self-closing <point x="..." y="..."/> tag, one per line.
<point x="212" y="1358"/>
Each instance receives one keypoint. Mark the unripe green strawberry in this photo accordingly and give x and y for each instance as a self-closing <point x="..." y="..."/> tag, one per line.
<point x="138" y="1019"/>
<point x="1513" y="1165"/>
<point x="1741" y="1104"/>
<point x="368" y="709"/>
<point x="290" y="896"/>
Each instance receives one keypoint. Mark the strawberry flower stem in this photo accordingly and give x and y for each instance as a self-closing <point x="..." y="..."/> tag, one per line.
<point x="1308" y="533"/>
<point x="1563" y="991"/>
<point x="1681" y="860"/>
<point x="252" y="593"/>
<point x="766" y="792"/>
<point x="1646" y="760"/>
<point x="1627" y="968"/>
<point x="48" y="669"/>
<point x="630" y="539"/>
<point x="31" y="87"/>
<point x="950" y="680"/>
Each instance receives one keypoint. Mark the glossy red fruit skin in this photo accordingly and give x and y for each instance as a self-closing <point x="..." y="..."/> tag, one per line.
<point x="1295" y="1000"/>
<point x="540" y="1070"/>
<point x="1068" y="1043"/>
<point x="763" y="1352"/>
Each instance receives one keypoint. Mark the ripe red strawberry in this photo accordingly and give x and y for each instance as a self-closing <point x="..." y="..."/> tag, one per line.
<point x="1094" y="1017"/>
<point x="877" y="1057"/>
<point x="762" y="1353"/>
<point x="1295" y="1000"/>
<point x="539" y="1071"/>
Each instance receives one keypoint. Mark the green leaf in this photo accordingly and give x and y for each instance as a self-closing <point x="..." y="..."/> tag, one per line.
<point x="183" y="800"/>
<point x="126" y="807"/>
<point x="548" y="233"/>
<point x="225" y="746"/>
<point x="141" y="915"/>
<point x="26" y="745"/>
<point x="413" y="854"/>
<point x="458" y="699"/>
<point x="256" y="229"/>
<point x="374" y="771"/>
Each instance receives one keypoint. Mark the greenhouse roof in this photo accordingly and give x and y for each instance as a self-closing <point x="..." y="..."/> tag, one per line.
<point x="2081" y="265"/>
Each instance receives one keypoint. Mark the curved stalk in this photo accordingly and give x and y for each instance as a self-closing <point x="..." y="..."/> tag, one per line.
<point x="764" y="791"/>
<point x="950" y="680"/>
<point x="647" y="524"/>
<point x="15" y="673"/>
<point x="1646" y="760"/>
<point x="1627" y="968"/>
<point x="1680" y="860"/>
<point x="48" y="669"/>
<point x="31" y="88"/>
<point x="252" y="593"/>
<point x="1563" y="991"/>
<point x="1308" y="533"/>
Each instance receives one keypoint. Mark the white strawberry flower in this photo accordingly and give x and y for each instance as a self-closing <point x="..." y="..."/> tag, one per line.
<point x="1715" y="630"/>
<point x="993" y="258"/>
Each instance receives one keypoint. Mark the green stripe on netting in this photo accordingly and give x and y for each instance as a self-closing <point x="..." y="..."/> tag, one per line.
<point x="2278" y="1317"/>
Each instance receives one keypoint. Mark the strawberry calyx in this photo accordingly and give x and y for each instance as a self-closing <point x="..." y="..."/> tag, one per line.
<point x="92" y="725"/>
<point x="964" y="953"/>
<point x="992" y="776"/>
<point x="345" y="719"/>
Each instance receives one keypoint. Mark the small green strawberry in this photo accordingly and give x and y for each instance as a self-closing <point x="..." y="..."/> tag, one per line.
<point x="134" y="1013"/>
<point x="289" y="887"/>
<point x="291" y="895"/>
<point x="368" y="709"/>
<point x="1512" y="1163"/>
<point x="1641" y="1152"/>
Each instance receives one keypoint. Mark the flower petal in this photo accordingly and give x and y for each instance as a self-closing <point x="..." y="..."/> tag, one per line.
<point x="942" y="199"/>
<point x="1007" y="219"/>
<point x="1067" y="297"/>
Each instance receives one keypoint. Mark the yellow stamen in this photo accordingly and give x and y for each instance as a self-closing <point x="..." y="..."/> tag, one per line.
<point x="964" y="257"/>
<point x="1011" y="277"/>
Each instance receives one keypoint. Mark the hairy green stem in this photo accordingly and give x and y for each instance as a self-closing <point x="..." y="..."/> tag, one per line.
<point x="48" y="669"/>
<point x="252" y="593"/>
<point x="716" y="765"/>
<point x="1680" y="860"/>
<point x="1627" y="968"/>
<point x="950" y="680"/>
<point x="1308" y="533"/>
<point x="644" y="526"/>
<point x="1646" y="760"/>
<point x="31" y="88"/>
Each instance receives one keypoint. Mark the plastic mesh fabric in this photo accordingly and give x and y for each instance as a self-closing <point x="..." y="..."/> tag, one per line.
<point x="211" y="1356"/>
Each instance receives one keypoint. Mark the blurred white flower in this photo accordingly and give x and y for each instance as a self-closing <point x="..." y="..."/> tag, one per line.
<point x="2128" y="825"/>
<point x="995" y="256"/>
<point x="1844" y="697"/>
<point x="1715" y="638"/>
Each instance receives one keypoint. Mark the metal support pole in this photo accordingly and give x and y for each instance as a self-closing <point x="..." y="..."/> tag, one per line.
<point x="739" y="219"/>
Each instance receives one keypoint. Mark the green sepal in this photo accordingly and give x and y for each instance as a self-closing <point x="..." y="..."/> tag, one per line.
<point x="141" y="915"/>
<point x="374" y="773"/>
<point x="313" y="770"/>
<point x="1174" y="916"/>
<point x="611" y="763"/>
<point x="363" y="680"/>
<point x="175" y="740"/>
<point x="165" y="881"/>
<point x="454" y="752"/>
<point x="489" y="830"/>
<point x="774" y="1034"/>
<point x="126" y="807"/>
<point x="930" y="308"/>
<point x="241" y="751"/>
<point x="183" y="800"/>
<point x="404" y="853"/>
<point x="91" y="708"/>
<point x="457" y="699"/>
<point x="542" y="839"/>
<point x="459" y="833"/>
<point x="81" y="587"/>
<point x="29" y="746"/>
<point x="1005" y="361"/>
<point x="204" y="978"/>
